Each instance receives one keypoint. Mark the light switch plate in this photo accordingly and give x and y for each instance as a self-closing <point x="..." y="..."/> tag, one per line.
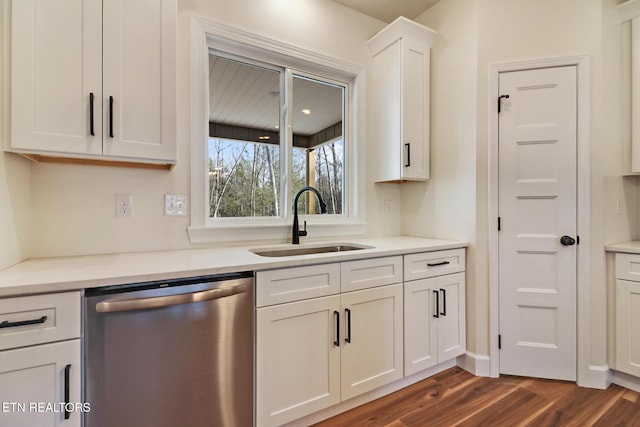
<point x="175" y="204"/>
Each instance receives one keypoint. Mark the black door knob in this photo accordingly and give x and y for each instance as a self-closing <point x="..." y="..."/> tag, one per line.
<point x="567" y="241"/>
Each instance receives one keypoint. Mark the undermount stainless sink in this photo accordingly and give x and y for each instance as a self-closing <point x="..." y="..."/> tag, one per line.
<point x="308" y="250"/>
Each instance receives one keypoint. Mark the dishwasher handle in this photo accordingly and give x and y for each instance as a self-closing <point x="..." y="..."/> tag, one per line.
<point x="169" y="300"/>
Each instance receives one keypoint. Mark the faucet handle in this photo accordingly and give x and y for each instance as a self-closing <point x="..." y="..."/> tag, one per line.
<point x="303" y="232"/>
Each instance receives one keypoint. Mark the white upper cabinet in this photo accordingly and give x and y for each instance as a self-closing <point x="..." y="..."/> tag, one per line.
<point x="629" y="13"/>
<point x="94" y="79"/>
<point x="400" y="109"/>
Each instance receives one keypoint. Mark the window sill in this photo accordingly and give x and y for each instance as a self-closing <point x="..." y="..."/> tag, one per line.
<point x="271" y="233"/>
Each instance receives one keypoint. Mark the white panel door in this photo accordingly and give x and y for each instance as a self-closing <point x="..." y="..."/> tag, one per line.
<point x="56" y="65"/>
<point x="537" y="206"/>
<point x="140" y="79"/>
<point x="372" y="345"/>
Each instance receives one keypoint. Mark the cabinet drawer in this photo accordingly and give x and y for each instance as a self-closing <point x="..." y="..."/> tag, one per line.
<point x="628" y="267"/>
<point x="39" y="319"/>
<point x="293" y="284"/>
<point x="431" y="264"/>
<point x="369" y="273"/>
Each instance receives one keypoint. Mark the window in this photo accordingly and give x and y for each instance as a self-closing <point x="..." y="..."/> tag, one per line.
<point x="318" y="143"/>
<point x="275" y="123"/>
<point x="244" y="139"/>
<point x="245" y="142"/>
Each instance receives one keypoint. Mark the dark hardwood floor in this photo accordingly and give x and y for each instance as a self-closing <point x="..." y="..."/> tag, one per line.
<point x="457" y="398"/>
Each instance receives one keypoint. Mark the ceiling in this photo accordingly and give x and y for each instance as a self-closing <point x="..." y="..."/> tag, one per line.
<point x="389" y="10"/>
<point x="248" y="96"/>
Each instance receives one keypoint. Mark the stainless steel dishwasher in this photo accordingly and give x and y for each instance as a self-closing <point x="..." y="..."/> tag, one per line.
<point x="170" y="353"/>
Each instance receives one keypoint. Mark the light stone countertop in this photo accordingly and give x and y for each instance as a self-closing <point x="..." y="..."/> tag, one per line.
<point x="43" y="275"/>
<point x="630" y="247"/>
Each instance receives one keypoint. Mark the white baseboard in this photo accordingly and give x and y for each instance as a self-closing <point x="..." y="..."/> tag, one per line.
<point x="598" y="377"/>
<point x="625" y="380"/>
<point x="478" y="365"/>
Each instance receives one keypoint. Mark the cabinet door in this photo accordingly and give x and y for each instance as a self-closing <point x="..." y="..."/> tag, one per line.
<point x="400" y="107"/>
<point x="298" y="361"/>
<point x="386" y="113"/>
<point x="140" y="79"/>
<point x="415" y="110"/>
<point x="56" y="63"/>
<point x="420" y="333"/>
<point x="627" y="321"/>
<point x="372" y="343"/>
<point x="32" y="378"/>
<point x="434" y="321"/>
<point x="451" y="320"/>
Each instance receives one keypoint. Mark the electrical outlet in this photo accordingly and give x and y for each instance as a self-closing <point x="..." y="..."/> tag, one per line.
<point x="124" y="206"/>
<point x="387" y="207"/>
<point x="175" y="204"/>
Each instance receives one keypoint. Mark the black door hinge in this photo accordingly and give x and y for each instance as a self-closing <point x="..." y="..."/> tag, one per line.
<point x="499" y="223"/>
<point x="499" y="342"/>
<point x="499" y="101"/>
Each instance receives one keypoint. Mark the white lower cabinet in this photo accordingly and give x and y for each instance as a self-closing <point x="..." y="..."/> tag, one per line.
<point x="372" y="346"/>
<point x="298" y="364"/>
<point x="328" y="333"/>
<point x="40" y="361"/>
<point x="317" y="352"/>
<point x="34" y="382"/>
<point x="434" y="308"/>
<point x="434" y="318"/>
<point x="627" y="319"/>
<point x="627" y="313"/>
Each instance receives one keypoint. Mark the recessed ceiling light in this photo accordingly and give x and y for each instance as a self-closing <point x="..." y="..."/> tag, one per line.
<point x="277" y="126"/>
<point x="264" y="137"/>
<point x="306" y="111"/>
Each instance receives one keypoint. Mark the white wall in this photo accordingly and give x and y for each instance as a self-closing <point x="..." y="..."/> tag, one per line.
<point x="445" y="206"/>
<point x="507" y="31"/>
<point x="15" y="190"/>
<point x="69" y="209"/>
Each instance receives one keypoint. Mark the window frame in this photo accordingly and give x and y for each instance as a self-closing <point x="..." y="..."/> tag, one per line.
<point x="250" y="48"/>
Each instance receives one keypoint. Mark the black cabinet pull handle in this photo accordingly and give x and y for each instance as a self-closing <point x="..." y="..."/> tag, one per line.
<point x="336" y="315"/>
<point x="444" y="302"/>
<point x="111" y="117"/>
<point x="436" y="264"/>
<point x="437" y="298"/>
<point x="408" y="164"/>
<point x="348" y="314"/>
<point x="7" y="324"/>
<point x="67" y="371"/>
<point x="91" y="98"/>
